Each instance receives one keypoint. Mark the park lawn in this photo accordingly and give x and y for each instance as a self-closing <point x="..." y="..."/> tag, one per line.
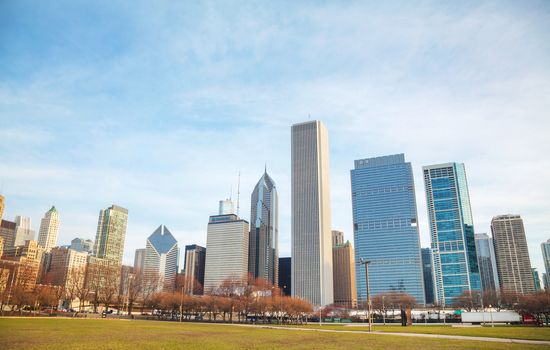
<point x="500" y="331"/>
<point x="51" y="333"/>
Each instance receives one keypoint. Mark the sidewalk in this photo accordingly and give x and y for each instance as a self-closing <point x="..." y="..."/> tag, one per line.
<point x="421" y="335"/>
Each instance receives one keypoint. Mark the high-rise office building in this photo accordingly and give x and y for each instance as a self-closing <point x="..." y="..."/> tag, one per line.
<point x="512" y="255"/>
<point x="337" y="238"/>
<point x="545" y="280"/>
<point x="536" y="279"/>
<point x="49" y="228"/>
<point x="29" y="257"/>
<point x="385" y="225"/>
<point x="452" y="232"/>
<point x="343" y="272"/>
<point x="285" y="276"/>
<point x="82" y="245"/>
<point x="545" y="246"/>
<point x="66" y="267"/>
<point x="227" y="206"/>
<point x="427" y="269"/>
<point x="7" y="231"/>
<point x="195" y="258"/>
<point x="487" y="262"/>
<point x="139" y="260"/>
<point x="161" y="258"/>
<point x="311" y="217"/>
<point x="111" y="232"/>
<point x="23" y="231"/>
<point x="226" y="250"/>
<point x="263" y="250"/>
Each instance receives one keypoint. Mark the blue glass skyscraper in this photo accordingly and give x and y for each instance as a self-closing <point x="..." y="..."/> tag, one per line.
<point x="385" y="227"/>
<point x="452" y="231"/>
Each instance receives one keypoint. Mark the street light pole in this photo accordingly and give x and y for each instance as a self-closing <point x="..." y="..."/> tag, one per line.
<point x="383" y="311"/>
<point x="181" y="305"/>
<point x="369" y="315"/>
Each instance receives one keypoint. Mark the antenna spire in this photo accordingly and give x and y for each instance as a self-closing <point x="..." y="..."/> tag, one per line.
<point x="238" y="192"/>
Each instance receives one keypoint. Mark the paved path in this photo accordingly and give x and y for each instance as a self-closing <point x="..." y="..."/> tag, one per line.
<point x="420" y="335"/>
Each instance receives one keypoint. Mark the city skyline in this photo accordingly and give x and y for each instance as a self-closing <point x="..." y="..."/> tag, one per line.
<point x="59" y="148"/>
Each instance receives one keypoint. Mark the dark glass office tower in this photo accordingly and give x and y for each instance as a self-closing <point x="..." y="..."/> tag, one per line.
<point x="263" y="255"/>
<point x="427" y="268"/>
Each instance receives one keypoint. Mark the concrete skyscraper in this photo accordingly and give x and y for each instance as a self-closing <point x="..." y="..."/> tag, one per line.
<point x="195" y="258"/>
<point x="487" y="262"/>
<point x="23" y="231"/>
<point x="49" y="228"/>
<point x="385" y="224"/>
<point x="343" y="272"/>
<point x="512" y="255"/>
<point x="111" y="232"/>
<point x="226" y="250"/>
<point x="161" y="258"/>
<point x="452" y="232"/>
<point x="263" y="250"/>
<point x="311" y="215"/>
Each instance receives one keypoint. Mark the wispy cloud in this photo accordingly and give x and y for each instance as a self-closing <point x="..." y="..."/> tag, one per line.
<point x="159" y="111"/>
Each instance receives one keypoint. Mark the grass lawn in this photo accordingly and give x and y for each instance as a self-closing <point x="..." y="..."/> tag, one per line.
<point x="27" y="333"/>
<point x="500" y="331"/>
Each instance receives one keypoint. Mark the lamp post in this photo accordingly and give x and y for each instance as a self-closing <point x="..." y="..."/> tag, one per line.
<point x="491" y="313"/>
<point x="383" y="310"/>
<point x="369" y="315"/>
<point x="181" y="305"/>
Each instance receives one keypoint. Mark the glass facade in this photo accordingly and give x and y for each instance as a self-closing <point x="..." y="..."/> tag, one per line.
<point x="263" y="250"/>
<point x="452" y="231"/>
<point x="386" y="227"/>
<point x="487" y="262"/>
<point x="427" y="268"/>
<point x="545" y="246"/>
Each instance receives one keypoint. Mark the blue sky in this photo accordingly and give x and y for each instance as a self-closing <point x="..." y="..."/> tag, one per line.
<point x="156" y="106"/>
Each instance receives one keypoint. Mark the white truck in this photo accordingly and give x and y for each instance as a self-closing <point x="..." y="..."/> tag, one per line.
<point x="491" y="317"/>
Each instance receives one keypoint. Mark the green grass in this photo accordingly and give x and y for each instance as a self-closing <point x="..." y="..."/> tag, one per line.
<point x="500" y="331"/>
<point x="26" y="333"/>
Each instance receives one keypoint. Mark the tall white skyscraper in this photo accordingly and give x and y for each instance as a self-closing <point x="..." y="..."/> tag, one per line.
<point x="23" y="231"/>
<point x="226" y="250"/>
<point x="161" y="257"/>
<point x="49" y="228"/>
<point x="311" y="220"/>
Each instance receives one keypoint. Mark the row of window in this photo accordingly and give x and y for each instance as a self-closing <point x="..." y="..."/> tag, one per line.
<point x="451" y="246"/>
<point x="379" y="224"/>
<point x="379" y="190"/>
